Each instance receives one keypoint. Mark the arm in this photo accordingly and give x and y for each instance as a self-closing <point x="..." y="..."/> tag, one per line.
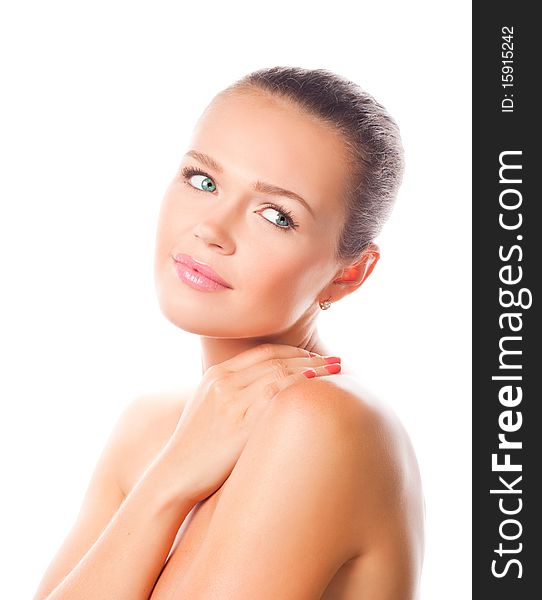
<point x="316" y="480"/>
<point x="129" y="553"/>
<point x="117" y="546"/>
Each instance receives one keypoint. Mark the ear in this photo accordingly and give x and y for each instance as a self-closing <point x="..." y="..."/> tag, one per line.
<point x="351" y="277"/>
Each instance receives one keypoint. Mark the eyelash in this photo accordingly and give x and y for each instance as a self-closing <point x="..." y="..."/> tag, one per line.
<point x="188" y="172"/>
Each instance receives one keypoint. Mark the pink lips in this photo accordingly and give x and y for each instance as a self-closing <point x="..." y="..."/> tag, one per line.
<point x="201" y="268"/>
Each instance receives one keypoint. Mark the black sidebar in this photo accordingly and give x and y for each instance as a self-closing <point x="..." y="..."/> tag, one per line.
<point x="507" y="269"/>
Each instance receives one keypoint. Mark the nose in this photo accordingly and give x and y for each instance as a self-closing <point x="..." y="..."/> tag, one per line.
<point x="215" y="227"/>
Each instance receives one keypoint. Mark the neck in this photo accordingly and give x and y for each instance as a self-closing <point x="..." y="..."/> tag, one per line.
<point x="217" y="350"/>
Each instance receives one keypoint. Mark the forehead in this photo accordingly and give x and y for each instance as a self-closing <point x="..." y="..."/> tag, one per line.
<point x="258" y="136"/>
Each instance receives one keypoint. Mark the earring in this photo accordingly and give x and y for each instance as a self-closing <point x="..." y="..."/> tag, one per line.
<point x="324" y="305"/>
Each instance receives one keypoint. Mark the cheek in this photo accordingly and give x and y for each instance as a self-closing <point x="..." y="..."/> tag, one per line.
<point x="168" y="227"/>
<point x="161" y="224"/>
<point x="290" y="278"/>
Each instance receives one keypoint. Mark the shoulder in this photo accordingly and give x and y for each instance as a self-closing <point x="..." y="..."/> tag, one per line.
<point x="365" y="447"/>
<point x="341" y="404"/>
<point x="337" y="400"/>
<point x="143" y="427"/>
<point x="151" y="407"/>
<point x="341" y="410"/>
<point x="319" y="483"/>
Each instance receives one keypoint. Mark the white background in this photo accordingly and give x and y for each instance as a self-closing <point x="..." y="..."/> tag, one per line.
<point x="98" y="100"/>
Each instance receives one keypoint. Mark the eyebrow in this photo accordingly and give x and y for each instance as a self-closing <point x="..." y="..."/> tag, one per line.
<point x="259" y="186"/>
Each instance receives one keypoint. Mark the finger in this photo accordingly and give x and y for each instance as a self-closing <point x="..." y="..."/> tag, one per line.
<point x="278" y="385"/>
<point x="274" y="369"/>
<point x="330" y="368"/>
<point x="259" y="379"/>
<point x="261" y="353"/>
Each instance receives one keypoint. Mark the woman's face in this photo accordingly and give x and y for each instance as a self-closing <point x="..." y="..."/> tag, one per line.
<point x="276" y="265"/>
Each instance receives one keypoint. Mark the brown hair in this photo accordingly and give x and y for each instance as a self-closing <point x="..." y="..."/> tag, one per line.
<point x="371" y="135"/>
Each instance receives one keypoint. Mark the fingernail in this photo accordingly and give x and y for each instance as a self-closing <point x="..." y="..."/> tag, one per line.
<point x="332" y="368"/>
<point x="332" y="359"/>
<point x="309" y="373"/>
<point x="313" y="354"/>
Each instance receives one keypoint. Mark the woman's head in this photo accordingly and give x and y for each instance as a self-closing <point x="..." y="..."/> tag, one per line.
<point x="310" y="133"/>
<point x="370" y="135"/>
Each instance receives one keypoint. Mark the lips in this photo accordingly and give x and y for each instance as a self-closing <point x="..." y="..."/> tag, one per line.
<point x="200" y="267"/>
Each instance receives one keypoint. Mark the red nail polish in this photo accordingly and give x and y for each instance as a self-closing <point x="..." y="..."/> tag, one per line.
<point x="309" y="373"/>
<point x="313" y="354"/>
<point x="332" y="359"/>
<point x="332" y="368"/>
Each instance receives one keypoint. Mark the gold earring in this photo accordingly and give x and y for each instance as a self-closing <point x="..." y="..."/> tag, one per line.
<point x="324" y="305"/>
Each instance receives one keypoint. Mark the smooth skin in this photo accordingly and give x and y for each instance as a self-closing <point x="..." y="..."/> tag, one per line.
<point x="323" y="474"/>
<point x="124" y="542"/>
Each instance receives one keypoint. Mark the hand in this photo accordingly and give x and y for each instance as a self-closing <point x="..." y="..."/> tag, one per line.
<point x="216" y="422"/>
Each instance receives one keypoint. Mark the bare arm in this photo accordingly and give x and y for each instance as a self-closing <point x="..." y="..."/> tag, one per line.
<point x="118" y="546"/>
<point x="126" y="550"/>
<point x="127" y="558"/>
<point x="320" y="481"/>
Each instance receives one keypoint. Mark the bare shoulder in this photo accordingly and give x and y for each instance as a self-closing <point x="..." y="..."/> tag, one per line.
<point x="136" y="434"/>
<point x="389" y="508"/>
<point x="146" y="424"/>
<point x="326" y="480"/>
<point x="342" y="401"/>
<point x="356" y="418"/>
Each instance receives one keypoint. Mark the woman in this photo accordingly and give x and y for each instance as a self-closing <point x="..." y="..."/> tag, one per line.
<point x="279" y="476"/>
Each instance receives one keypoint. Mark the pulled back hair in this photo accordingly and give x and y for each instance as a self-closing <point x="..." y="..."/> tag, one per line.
<point x="371" y="138"/>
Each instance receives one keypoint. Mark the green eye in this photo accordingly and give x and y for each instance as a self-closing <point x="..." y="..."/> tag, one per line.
<point x="205" y="183"/>
<point x="282" y="220"/>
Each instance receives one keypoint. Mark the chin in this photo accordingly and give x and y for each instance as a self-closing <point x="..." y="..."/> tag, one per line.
<point x="195" y="319"/>
<point x="199" y="320"/>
